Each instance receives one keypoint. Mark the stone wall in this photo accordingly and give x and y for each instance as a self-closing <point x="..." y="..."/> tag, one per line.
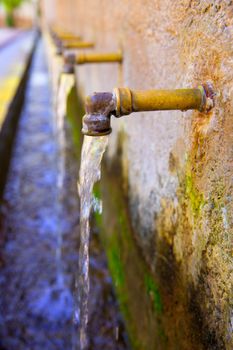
<point x="175" y="167"/>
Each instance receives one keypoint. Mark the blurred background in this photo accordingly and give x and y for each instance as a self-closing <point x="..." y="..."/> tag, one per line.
<point x="161" y="251"/>
<point x="18" y="13"/>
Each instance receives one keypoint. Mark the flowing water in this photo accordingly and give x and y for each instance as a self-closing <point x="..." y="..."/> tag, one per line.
<point x="90" y="172"/>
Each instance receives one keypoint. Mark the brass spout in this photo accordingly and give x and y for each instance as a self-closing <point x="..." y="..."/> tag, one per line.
<point x="129" y="101"/>
<point x="72" y="44"/>
<point x="70" y="59"/>
<point x="123" y="101"/>
<point x="68" y="36"/>
<point x="54" y="30"/>
<point x="63" y="34"/>
<point x="107" y="57"/>
<point x="77" y="44"/>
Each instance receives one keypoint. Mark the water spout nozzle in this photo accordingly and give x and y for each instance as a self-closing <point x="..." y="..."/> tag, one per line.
<point x="63" y="45"/>
<point x="77" y="44"/>
<point x="70" y="59"/>
<point x="69" y="62"/>
<point x="99" y="57"/>
<point x="66" y="36"/>
<point x="99" y="108"/>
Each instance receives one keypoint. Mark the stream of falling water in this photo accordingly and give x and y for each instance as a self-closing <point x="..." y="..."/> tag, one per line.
<point x="90" y="172"/>
<point x="66" y="83"/>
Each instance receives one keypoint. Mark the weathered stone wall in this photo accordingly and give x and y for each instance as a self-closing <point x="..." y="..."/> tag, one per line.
<point x="176" y="168"/>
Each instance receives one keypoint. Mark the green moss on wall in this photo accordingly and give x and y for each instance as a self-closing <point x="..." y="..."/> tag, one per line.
<point x="196" y="199"/>
<point x="153" y="291"/>
<point x="74" y="113"/>
<point x="137" y="290"/>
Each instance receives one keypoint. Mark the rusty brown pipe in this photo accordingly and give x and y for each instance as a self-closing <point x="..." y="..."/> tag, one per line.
<point x="77" y="44"/>
<point x="57" y="38"/>
<point x="99" y="108"/>
<point x="63" y="35"/>
<point x="123" y="101"/>
<point x="71" y="44"/>
<point x="70" y="59"/>
<point x="68" y="37"/>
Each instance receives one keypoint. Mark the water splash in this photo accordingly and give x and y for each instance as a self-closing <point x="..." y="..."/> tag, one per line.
<point x="66" y="83"/>
<point x="90" y="172"/>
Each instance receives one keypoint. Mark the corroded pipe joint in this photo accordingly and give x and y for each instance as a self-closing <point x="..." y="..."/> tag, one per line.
<point x="59" y="47"/>
<point x="99" y="108"/>
<point x="69" y="62"/>
<point x="209" y="95"/>
<point x="124" y="101"/>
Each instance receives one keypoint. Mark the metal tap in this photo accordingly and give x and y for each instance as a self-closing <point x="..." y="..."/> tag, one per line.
<point x="71" y="59"/>
<point x="123" y="101"/>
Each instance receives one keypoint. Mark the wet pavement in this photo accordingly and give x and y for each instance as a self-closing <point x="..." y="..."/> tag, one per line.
<point x="36" y="301"/>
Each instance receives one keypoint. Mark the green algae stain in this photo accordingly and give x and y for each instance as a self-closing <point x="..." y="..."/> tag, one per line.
<point x="117" y="270"/>
<point x="113" y="252"/>
<point x="96" y="191"/>
<point x="133" y="281"/>
<point x="75" y="112"/>
<point x="116" y="266"/>
<point x="153" y="292"/>
<point x="219" y="233"/>
<point x="195" y="198"/>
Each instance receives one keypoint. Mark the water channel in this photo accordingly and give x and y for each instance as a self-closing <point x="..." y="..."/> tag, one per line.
<point x="40" y="239"/>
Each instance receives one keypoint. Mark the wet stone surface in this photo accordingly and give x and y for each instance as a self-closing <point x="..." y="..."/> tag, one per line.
<point x="36" y="300"/>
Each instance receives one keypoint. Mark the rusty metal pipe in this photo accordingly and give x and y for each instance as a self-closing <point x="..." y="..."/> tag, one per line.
<point x="99" y="108"/>
<point x="72" y="44"/>
<point x="123" y="101"/>
<point x="70" y="59"/>
<point x="63" y="34"/>
<point x="94" y="57"/>
<point x="58" y="30"/>
<point x="68" y="37"/>
<point x="77" y="44"/>
<point x="56" y="36"/>
<point x="129" y="101"/>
